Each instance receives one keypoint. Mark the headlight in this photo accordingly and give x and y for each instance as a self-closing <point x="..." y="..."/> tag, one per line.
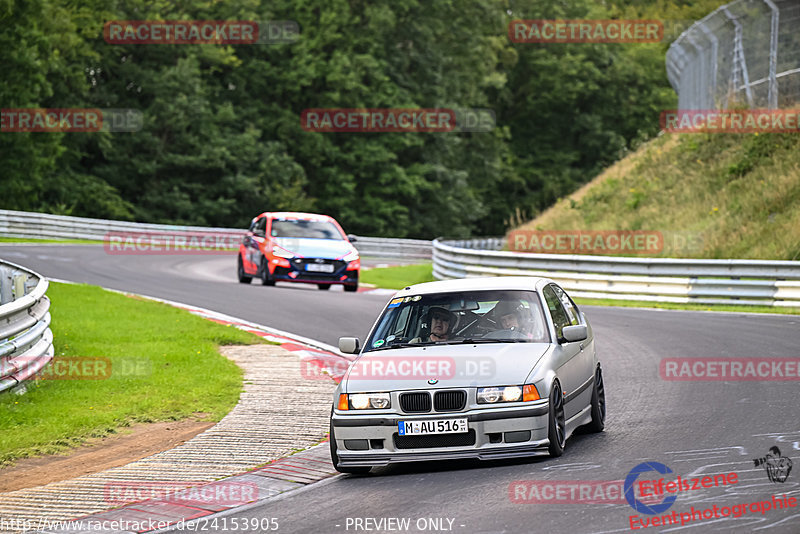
<point x="350" y="256"/>
<point x="366" y="401"/>
<point x="282" y="252"/>
<point x="512" y="394"/>
<point x="503" y="394"/>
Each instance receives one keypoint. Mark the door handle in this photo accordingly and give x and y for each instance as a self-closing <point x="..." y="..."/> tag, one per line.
<point x="581" y="346"/>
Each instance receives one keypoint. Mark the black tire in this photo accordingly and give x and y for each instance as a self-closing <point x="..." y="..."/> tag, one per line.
<point x="324" y="287"/>
<point x="243" y="278"/>
<point x="556" y="428"/>
<point x="265" y="277"/>
<point x="351" y="288"/>
<point x="598" y="422"/>
<point x="335" y="460"/>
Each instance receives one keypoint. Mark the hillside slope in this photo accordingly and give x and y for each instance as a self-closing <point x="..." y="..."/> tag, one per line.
<point x="727" y="195"/>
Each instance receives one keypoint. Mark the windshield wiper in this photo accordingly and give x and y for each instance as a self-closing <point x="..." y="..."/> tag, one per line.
<point x="481" y="340"/>
<point x="403" y="345"/>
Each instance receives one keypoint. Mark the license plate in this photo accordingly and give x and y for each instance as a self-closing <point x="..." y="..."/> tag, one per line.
<point x="319" y="267"/>
<point x="433" y="426"/>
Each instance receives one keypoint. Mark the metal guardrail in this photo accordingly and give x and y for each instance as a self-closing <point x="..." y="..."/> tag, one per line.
<point x="45" y="226"/>
<point x="26" y="342"/>
<point x="745" y="52"/>
<point x="398" y="249"/>
<point x="746" y="282"/>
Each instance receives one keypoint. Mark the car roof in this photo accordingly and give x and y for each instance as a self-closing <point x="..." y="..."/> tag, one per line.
<point x="529" y="283"/>
<point x="296" y="215"/>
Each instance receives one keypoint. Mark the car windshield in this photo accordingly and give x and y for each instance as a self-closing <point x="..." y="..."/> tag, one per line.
<point x="508" y="316"/>
<point x="305" y="229"/>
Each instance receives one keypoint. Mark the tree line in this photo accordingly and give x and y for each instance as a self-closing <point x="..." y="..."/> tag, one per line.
<point x="221" y="137"/>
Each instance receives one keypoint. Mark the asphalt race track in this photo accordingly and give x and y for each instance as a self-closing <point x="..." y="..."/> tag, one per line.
<point x="208" y="281"/>
<point x="696" y="428"/>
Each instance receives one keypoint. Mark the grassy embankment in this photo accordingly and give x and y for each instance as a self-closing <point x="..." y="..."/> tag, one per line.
<point x="710" y="195"/>
<point x="735" y="195"/>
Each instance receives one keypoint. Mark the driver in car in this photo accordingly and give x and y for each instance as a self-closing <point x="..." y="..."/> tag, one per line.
<point x="441" y="320"/>
<point x="510" y="321"/>
<point x="507" y="316"/>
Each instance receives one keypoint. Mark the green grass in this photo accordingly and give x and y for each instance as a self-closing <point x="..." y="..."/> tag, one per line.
<point x="181" y="373"/>
<point x="398" y="277"/>
<point x="46" y="241"/>
<point x="687" y="306"/>
<point x="735" y="195"/>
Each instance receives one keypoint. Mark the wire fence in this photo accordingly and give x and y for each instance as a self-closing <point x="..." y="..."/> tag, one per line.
<point x="746" y="53"/>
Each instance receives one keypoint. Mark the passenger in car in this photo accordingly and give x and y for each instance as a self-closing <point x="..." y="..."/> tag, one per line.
<point x="510" y="316"/>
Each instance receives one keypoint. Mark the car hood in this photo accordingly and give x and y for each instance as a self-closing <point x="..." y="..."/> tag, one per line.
<point x="500" y="364"/>
<point x="315" y="248"/>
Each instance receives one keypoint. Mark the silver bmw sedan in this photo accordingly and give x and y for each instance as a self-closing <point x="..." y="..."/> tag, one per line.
<point x="476" y="368"/>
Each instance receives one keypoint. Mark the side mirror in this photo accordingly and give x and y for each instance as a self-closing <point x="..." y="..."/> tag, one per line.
<point x="349" y="345"/>
<point x="352" y="238"/>
<point x="577" y="332"/>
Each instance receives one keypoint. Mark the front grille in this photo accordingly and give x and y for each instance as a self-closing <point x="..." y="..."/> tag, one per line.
<point x="415" y="402"/>
<point x="434" y="440"/>
<point x="449" y="401"/>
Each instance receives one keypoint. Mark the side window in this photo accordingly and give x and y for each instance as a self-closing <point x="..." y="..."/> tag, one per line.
<point x="560" y="319"/>
<point x="261" y="225"/>
<point x="569" y="306"/>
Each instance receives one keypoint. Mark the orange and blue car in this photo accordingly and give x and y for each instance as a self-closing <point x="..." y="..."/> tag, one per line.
<point x="298" y="247"/>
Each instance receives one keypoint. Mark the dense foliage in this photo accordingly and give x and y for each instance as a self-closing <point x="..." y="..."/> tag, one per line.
<point x="222" y="140"/>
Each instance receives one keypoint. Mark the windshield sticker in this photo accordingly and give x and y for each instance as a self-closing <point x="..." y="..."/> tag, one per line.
<point x="390" y="338"/>
<point x="407" y="299"/>
<point x="395" y="302"/>
<point x="378" y="343"/>
<point x="415" y="299"/>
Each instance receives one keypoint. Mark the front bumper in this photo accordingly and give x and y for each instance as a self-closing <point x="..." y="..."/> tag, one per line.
<point x="508" y="432"/>
<point x="297" y="272"/>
